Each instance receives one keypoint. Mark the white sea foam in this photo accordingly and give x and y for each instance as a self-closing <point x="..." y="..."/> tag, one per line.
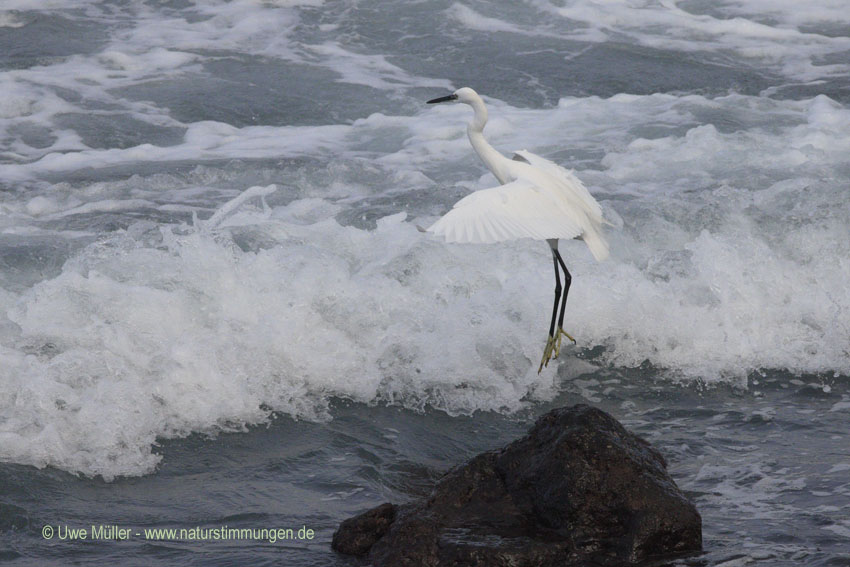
<point x="788" y="12"/>
<point x="473" y="20"/>
<point x="9" y="20"/>
<point x="370" y="70"/>
<point x="155" y="334"/>
<point x="132" y="342"/>
<point x="244" y="26"/>
<point x="149" y="46"/>
<point x="704" y="215"/>
<point x="749" y="28"/>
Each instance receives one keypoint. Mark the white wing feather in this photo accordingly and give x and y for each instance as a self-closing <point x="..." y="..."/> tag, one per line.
<point x="544" y="202"/>
<point x="518" y="209"/>
<point x="571" y="183"/>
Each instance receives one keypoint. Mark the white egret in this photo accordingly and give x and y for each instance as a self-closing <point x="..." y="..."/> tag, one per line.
<point x="536" y="199"/>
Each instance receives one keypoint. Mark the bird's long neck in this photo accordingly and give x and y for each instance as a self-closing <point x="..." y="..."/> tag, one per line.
<point x="488" y="154"/>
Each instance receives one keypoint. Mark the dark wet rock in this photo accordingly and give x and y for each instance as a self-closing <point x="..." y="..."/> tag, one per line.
<point x="357" y="535"/>
<point x="578" y="488"/>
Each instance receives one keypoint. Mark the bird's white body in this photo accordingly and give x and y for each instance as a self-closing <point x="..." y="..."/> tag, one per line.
<point x="536" y="199"/>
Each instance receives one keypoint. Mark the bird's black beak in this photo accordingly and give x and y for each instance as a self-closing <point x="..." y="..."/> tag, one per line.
<point x="443" y="99"/>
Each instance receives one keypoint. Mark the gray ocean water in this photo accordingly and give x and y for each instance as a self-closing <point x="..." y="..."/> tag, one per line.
<point x="217" y="312"/>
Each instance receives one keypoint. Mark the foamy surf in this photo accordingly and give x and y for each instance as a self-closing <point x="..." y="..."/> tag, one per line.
<point x="161" y="331"/>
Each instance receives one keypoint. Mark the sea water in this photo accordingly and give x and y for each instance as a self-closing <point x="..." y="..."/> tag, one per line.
<point x="217" y="310"/>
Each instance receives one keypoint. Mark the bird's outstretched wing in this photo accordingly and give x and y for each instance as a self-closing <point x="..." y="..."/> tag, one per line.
<point x="570" y="184"/>
<point x="518" y="209"/>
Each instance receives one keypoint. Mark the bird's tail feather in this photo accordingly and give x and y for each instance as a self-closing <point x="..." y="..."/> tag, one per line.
<point x="597" y="244"/>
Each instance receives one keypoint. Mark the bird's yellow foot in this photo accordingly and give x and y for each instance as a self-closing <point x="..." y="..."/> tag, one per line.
<point x="561" y="334"/>
<point x="547" y="353"/>
<point x="553" y="347"/>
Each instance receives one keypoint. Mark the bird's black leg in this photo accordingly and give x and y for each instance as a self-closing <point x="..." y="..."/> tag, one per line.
<point x="567" y="280"/>
<point x="550" y="343"/>
<point x="557" y="295"/>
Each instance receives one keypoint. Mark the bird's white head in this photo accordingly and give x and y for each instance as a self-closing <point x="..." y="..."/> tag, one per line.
<point x="470" y="97"/>
<point x="465" y="95"/>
